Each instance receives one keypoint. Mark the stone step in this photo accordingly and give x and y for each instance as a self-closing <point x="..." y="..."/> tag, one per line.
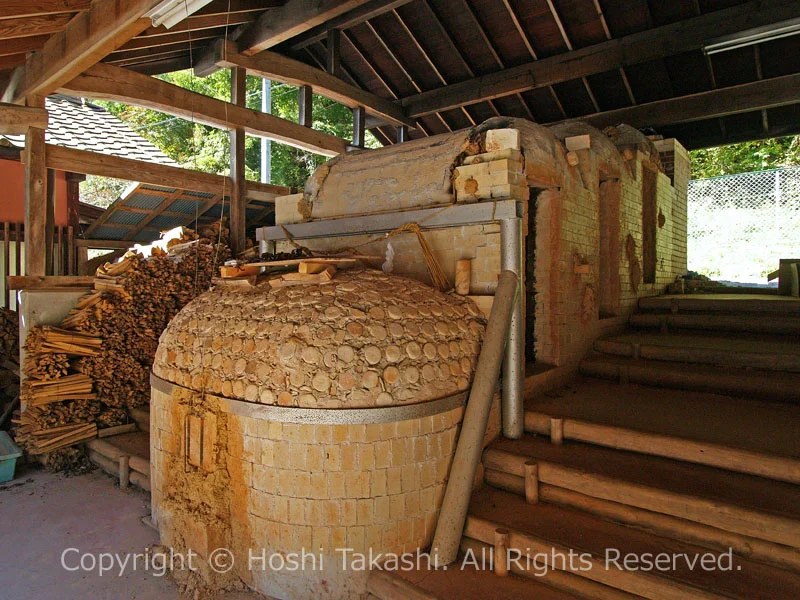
<point x="746" y="436"/>
<point x="741" y="350"/>
<point x="750" y="383"/>
<point x="733" y="322"/>
<point x="592" y="548"/>
<point x="749" y="303"/>
<point x="759" y="518"/>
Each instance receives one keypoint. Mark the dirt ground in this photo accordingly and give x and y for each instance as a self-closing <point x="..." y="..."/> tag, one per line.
<point x="42" y="515"/>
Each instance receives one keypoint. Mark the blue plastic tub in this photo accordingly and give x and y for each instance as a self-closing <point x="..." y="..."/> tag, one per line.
<point x="9" y="453"/>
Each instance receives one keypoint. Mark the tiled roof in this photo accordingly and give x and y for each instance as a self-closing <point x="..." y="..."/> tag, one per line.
<point x="86" y="126"/>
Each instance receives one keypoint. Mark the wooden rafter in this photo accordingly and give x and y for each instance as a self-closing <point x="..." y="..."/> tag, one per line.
<point x="28" y="26"/>
<point x="87" y="38"/>
<point x="107" y="82"/>
<point x="270" y="65"/>
<point x="531" y="52"/>
<point x="758" y="95"/>
<point x="22" y="45"/>
<point x="636" y="48"/>
<point x="15" y="120"/>
<point x="401" y="66"/>
<point x="437" y="23"/>
<point x="365" y="12"/>
<point x="568" y="43"/>
<point x="33" y="8"/>
<point x="293" y="18"/>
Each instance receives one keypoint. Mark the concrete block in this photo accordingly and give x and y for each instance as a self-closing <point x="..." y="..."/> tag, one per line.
<point x="502" y="139"/>
<point x="578" y="142"/>
<point x="291" y="209"/>
<point x="507" y="154"/>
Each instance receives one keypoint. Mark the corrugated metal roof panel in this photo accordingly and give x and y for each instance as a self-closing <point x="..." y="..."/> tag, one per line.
<point x="105" y="232"/>
<point x="167" y="222"/>
<point x="185" y="206"/>
<point x="140" y="200"/>
<point x="125" y="217"/>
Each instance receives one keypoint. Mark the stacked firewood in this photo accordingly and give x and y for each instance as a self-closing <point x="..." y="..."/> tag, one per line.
<point x="132" y="302"/>
<point x="61" y="406"/>
<point x="87" y="373"/>
<point x="9" y="359"/>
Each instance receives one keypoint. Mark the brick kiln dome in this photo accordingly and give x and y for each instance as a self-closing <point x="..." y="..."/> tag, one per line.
<point x="364" y="339"/>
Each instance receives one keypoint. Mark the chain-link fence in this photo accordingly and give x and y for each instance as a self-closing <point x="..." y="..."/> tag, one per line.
<point x="741" y="225"/>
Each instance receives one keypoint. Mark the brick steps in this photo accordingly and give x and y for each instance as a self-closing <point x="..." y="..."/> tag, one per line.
<point x="711" y="507"/>
<point x="550" y="530"/>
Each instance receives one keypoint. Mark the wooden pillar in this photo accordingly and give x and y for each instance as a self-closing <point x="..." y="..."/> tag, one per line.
<point x="304" y="99"/>
<point x="50" y="223"/>
<point x="73" y="218"/>
<point x="359" y="126"/>
<point x="239" y="187"/>
<point x="333" y="61"/>
<point x="35" y="198"/>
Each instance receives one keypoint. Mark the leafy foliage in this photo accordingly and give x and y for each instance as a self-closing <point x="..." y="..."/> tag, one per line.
<point x="748" y="156"/>
<point x="205" y="148"/>
<point x="101" y="191"/>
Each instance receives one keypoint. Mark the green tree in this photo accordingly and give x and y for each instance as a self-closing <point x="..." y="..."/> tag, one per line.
<point x="748" y="156"/>
<point x="206" y="148"/>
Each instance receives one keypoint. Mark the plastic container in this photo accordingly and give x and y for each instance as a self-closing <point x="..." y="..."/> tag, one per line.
<point x="9" y="453"/>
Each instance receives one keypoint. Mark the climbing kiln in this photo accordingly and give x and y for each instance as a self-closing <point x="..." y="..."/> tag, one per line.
<point x="325" y="417"/>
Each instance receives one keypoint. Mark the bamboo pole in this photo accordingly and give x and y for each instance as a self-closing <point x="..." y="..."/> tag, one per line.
<point x="453" y="514"/>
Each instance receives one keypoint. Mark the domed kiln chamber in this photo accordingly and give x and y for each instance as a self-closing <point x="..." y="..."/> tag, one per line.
<point x="309" y="419"/>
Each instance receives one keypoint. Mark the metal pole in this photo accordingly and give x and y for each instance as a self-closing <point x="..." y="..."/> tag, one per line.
<point x="514" y="365"/>
<point x="266" y="145"/>
<point x="453" y="513"/>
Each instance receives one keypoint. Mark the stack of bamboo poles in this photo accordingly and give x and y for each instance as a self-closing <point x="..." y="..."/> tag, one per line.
<point x="42" y="441"/>
<point x="61" y="406"/>
<point x="44" y="340"/>
<point x="70" y="387"/>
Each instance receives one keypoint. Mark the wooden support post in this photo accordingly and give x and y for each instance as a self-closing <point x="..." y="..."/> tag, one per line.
<point x="239" y="184"/>
<point x="531" y="482"/>
<point x="402" y="133"/>
<point x="463" y="275"/>
<point x="333" y="61"/>
<point x="6" y="257"/>
<point x="359" y="126"/>
<point x="50" y="223"/>
<point x="304" y="100"/>
<point x="35" y="197"/>
<point x="501" y="552"/>
<point x="124" y="471"/>
<point x="557" y="431"/>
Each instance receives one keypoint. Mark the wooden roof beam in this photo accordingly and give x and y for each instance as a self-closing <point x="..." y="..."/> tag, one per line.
<point x="758" y="95"/>
<point x="365" y="12"/>
<point x="26" y="8"/>
<point x="107" y="165"/>
<point x="88" y="37"/>
<point x="15" y="120"/>
<point x="277" y="67"/>
<point x="636" y="48"/>
<point x="291" y="19"/>
<point x="107" y="82"/>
